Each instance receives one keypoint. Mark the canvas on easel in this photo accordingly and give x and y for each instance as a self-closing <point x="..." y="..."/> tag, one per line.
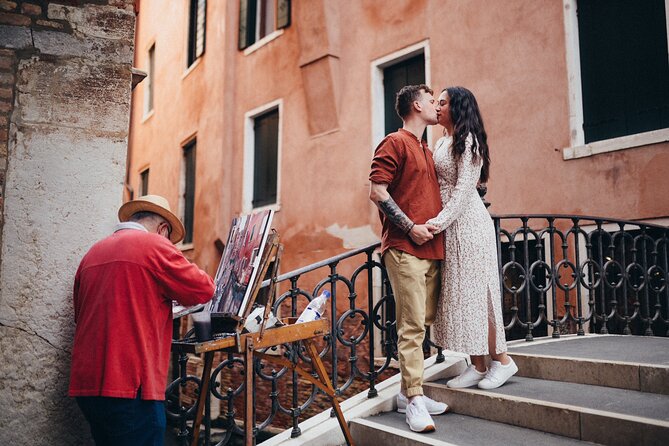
<point x="241" y="266"/>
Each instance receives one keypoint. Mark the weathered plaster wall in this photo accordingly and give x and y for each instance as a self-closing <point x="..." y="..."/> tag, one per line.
<point x="68" y="70"/>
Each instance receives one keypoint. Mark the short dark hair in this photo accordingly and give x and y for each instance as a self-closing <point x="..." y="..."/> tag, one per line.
<point x="406" y="96"/>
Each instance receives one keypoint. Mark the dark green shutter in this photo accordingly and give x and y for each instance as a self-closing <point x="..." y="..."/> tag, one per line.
<point x="265" y="158"/>
<point x="189" y="192"/>
<point x="247" y="23"/>
<point x="407" y="72"/>
<point x="624" y="67"/>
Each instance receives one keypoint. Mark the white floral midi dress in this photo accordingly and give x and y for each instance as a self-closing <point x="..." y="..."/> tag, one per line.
<point x="470" y="287"/>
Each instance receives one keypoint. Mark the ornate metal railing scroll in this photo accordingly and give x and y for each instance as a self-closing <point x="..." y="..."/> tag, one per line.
<point x="558" y="274"/>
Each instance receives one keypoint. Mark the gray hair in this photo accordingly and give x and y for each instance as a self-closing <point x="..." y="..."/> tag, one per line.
<point x="146" y="215"/>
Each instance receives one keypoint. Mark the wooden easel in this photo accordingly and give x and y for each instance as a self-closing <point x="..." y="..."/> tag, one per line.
<point x="250" y="342"/>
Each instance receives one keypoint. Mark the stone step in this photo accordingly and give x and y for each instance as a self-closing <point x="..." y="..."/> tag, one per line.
<point x="580" y="411"/>
<point x="390" y="428"/>
<point x="625" y="362"/>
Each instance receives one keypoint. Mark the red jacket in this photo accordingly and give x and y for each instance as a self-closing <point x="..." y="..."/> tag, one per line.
<point x="123" y="293"/>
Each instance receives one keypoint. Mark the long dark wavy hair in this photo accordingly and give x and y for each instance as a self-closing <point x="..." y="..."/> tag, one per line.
<point x="466" y="119"/>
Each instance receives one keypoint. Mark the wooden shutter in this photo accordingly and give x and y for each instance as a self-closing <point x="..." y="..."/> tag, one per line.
<point x="265" y="159"/>
<point x="624" y="67"/>
<point x="407" y="72"/>
<point x="282" y="14"/>
<point x="189" y="191"/>
<point x="247" y="15"/>
<point x="200" y="26"/>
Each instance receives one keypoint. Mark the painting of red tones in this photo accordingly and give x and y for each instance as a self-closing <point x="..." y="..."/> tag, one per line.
<point x="238" y="269"/>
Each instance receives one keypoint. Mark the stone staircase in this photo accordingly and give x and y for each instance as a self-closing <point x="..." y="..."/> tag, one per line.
<point x="597" y="389"/>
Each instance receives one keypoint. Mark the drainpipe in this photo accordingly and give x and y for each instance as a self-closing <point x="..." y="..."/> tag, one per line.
<point x="137" y="77"/>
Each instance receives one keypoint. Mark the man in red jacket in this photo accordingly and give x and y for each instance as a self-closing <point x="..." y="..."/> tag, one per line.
<point x="123" y="293"/>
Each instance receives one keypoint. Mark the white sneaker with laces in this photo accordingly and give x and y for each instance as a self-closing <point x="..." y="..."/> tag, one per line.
<point x="433" y="407"/>
<point x="498" y="375"/>
<point x="469" y="378"/>
<point x="418" y="418"/>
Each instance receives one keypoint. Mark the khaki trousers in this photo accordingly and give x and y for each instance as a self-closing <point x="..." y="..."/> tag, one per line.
<point x="415" y="285"/>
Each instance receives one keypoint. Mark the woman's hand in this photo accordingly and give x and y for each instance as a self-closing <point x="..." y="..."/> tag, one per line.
<point x="420" y="234"/>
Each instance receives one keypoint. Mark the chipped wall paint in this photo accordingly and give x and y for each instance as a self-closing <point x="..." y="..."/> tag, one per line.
<point x="66" y="161"/>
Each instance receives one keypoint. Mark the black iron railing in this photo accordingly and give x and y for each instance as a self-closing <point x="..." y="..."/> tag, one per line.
<point x="558" y="274"/>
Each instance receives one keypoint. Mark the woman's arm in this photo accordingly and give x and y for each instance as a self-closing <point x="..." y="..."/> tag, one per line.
<point x="468" y="175"/>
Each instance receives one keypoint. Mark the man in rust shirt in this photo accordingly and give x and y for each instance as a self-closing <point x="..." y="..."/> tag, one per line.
<point x="405" y="189"/>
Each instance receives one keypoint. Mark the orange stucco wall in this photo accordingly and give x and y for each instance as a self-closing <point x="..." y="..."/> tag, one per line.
<point x="510" y="54"/>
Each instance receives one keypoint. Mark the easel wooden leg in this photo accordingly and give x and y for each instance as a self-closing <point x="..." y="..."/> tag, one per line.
<point x="323" y="376"/>
<point x="249" y="422"/>
<point x="202" y="397"/>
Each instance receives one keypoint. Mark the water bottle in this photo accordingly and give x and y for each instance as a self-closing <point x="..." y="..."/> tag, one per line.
<point x="315" y="309"/>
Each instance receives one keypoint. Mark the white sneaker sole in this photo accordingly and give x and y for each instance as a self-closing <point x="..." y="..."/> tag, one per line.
<point x="428" y="428"/>
<point x="404" y="410"/>
<point x="460" y="386"/>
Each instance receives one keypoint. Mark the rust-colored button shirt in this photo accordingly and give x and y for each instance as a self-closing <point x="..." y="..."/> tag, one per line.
<point x="407" y="167"/>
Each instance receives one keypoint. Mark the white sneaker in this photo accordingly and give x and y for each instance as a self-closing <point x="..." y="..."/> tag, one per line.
<point x="418" y="418"/>
<point x="469" y="378"/>
<point x="498" y="375"/>
<point x="433" y="407"/>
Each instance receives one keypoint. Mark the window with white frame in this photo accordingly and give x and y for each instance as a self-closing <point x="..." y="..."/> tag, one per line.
<point x="197" y="22"/>
<point x="409" y="65"/>
<point x="262" y="157"/>
<point x="624" y="67"/>
<point x="150" y="79"/>
<point x="260" y="18"/>
<point x="187" y="193"/>
<point x="618" y="72"/>
<point x="406" y="72"/>
<point x="144" y="182"/>
<point x="265" y="158"/>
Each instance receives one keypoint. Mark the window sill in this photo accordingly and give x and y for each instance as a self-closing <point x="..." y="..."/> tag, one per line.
<point x="262" y="42"/>
<point x="614" y="144"/>
<point x="192" y="67"/>
<point x="185" y="246"/>
<point x="276" y="207"/>
<point x="148" y="115"/>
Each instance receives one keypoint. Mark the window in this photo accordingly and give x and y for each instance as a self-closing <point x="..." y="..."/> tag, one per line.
<point x="408" y="72"/>
<point x="265" y="158"/>
<point x="259" y="18"/>
<point x="187" y="198"/>
<point x="150" y="80"/>
<point x="624" y="67"/>
<point x="144" y="183"/>
<point x="196" y="29"/>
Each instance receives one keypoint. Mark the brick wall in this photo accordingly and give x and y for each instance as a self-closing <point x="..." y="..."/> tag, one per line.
<point x="65" y="86"/>
<point x="7" y="79"/>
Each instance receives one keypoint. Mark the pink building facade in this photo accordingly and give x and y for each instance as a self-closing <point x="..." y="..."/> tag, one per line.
<point x="253" y="104"/>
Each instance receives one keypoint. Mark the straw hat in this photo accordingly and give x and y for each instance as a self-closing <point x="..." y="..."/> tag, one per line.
<point x="157" y="205"/>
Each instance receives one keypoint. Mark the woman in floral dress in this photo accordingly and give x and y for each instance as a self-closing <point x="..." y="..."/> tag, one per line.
<point x="469" y="316"/>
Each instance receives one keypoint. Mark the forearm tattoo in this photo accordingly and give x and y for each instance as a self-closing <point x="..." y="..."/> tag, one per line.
<point x="395" y="214"/>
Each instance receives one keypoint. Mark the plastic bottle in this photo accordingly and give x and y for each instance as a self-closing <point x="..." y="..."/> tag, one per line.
<point x="315" y="309"/>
